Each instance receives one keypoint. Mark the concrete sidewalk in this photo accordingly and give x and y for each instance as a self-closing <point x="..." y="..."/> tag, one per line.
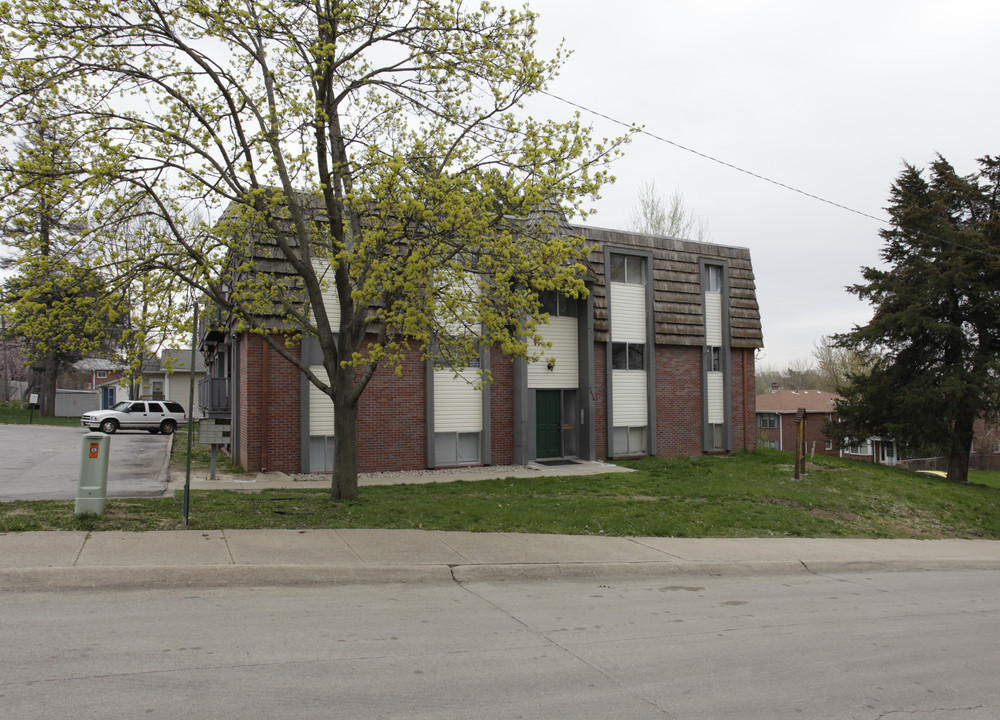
<point x="251" y="482"/>
<point x="56" y="560"/>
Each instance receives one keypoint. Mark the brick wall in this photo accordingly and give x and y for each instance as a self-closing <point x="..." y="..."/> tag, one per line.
<point x="601" y="401"/>
<point x="269" y="408"/>
<point x="678" y="401"/>
<point x="392" y="418"/>
<point x="744" y="399"/>
<point x="392" y="424"/>
<point x="502" y="408"/>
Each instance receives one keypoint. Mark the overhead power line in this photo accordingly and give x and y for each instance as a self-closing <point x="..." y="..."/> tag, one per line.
<point x="716" y="160"/>
<point x="731" y="166"/>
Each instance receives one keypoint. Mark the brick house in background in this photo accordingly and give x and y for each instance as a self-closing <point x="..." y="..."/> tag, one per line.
<point x="657" y="360"/>
<point x="986" y="444"/>
<point x="776" y="426"/>
<point x="105" y="376"/>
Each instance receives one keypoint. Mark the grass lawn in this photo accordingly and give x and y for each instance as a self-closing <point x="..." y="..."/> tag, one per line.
<point x="985" y="477"/>
<point x="14" y="414"/>
<point x="201" y="455"/>
<point x="741" y="495"/>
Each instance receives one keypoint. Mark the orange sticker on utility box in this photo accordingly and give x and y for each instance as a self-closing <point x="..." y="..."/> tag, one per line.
<point x="93" y="450"/>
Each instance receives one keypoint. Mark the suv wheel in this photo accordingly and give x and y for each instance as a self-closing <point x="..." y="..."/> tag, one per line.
<point x="109" y="426"/>
<point x="167" y="427"/>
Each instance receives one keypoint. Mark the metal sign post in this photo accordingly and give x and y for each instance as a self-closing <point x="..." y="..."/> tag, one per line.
<point x="187" y="476"/>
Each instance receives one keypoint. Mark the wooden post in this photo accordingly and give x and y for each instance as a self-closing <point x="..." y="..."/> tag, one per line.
<point x="800" y="442"/>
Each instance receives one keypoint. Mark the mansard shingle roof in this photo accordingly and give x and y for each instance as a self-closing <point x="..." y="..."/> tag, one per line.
<point x="677" y="306"/>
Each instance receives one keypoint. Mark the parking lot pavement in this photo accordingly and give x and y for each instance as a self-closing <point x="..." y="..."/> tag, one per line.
<point x="41" y="462"/>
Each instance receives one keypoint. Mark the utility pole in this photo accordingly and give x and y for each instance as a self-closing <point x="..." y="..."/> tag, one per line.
<point x="5" y="380"/>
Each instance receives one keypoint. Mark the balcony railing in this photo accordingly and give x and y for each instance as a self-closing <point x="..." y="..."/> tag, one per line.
<point x="211" y="326"/>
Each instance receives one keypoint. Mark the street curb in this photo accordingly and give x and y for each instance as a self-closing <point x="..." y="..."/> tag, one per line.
<point x="153" y="577"/>
<point x="149" y="577"/>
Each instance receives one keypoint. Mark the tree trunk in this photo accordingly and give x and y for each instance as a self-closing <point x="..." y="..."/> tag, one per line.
<point x="345" y="452"/>
<point x="961" y="445"/>
<point x="50" y="376"/>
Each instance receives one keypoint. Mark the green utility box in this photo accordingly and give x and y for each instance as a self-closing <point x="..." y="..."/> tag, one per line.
<point x="92" y="488"/>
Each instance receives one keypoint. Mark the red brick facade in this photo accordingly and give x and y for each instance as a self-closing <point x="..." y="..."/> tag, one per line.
<point x="744" y="400"/>
<point x="679" y="425"/>
<point x="392" y="424"/>
<point x="501" y="409"/>
<point x="270" y="427"/>
<point x="601" y="401"/>
<point x="392" y="419"/>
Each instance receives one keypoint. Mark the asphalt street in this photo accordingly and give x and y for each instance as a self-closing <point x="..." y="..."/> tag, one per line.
<point x="850" y="646"/>
<point x="42" y="462"/>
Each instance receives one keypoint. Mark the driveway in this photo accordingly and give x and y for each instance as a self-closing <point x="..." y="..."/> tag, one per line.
<point x="41" y="462"/>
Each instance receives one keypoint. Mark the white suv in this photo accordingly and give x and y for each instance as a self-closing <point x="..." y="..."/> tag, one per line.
<point x="152" y="415"/>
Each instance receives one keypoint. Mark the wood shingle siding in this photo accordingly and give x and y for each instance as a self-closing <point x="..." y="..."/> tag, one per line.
<point x="678" y="315"/>
<point x="677" y="307"/>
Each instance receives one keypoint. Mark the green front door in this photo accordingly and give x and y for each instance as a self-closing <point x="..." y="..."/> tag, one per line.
<point x="548" y="423"/>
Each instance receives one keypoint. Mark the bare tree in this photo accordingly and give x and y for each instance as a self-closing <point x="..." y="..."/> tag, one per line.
<point x="835" y="365"/>
<point x="656" y="216"/>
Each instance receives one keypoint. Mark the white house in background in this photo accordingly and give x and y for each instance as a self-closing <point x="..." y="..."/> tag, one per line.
<point x="170" y="378"/>
<point x="166" y="377"/>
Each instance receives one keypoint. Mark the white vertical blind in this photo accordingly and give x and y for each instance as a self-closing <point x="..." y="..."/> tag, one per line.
<point x="330" y="299"/>
<point x="629" y="405"/>
<point x="320" y="406"/>
<point x="458" y="405"/>
<point x="716" y="398"/>
<point x="565" y="374"/>
<point x="628" y="312"/>
<point x="713" y="319"/>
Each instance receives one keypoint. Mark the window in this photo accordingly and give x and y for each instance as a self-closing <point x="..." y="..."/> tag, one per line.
<point x="155" y="408"/>
<point x="859" y="449"/>
<point x="714" y="278"/>
<point x="996" y="446"/>
<point x="718" y="436"/>
<point x="629" y="440"/>
<point x="629" y="269"/>
<point x="715" y="364"/>
<point x="628" y="356"/>
<point x="456" y="448"/>
<point x="557" y="304"/>
<point x="767" y="444"/>
<point x="767" y="420"/>
<point x="829" y="445"/>
<point x="101" y="374"/>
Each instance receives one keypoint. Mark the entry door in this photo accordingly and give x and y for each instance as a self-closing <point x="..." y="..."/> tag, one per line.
<point x="548" y="423"/>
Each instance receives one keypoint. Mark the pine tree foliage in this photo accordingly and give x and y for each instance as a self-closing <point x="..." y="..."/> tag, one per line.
<point x="376" y="147"/>
<point x="935" y="334"/>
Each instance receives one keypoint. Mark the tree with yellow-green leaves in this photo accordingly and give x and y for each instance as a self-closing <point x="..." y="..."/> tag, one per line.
<point x="69" y="293"/>
<point x="55" y="299"/>
<point x="376" y="147"/>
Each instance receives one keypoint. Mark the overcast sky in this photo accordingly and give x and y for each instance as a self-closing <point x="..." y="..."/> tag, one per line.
<point x="829" y="98"/>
